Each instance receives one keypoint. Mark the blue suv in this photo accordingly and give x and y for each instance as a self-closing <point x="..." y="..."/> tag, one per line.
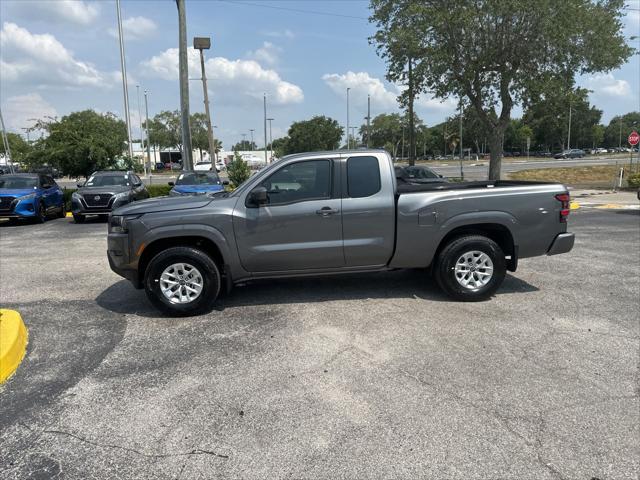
<point x="196" y="183"/>
<point x="30" y="195"/>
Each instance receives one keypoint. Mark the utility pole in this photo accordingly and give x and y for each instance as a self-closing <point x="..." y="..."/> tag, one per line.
<point x="412" y="159"/>
<point x="461" y="149"/>
<point x="368" y="119"/>
<point x="202" y="44"/>
<point x="125" y="88"/>
<point x="187" y="150"/>
<point x="270" y="138"/>
<point x="141" y="131"/>
<point x="146" y="109"/>
<point x="244" y="139"/>
<point x="5" y="142"/>
<point x="569" y="132"/>
<point x="252" y="130"/>
<point x="620" y="139"/>
<point x="348" y="144"/>
<point x="266" y="160"/>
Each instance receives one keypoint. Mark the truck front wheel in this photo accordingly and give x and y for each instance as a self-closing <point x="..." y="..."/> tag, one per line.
<point x="470" y="268"/>
<point x="182" y="281"/>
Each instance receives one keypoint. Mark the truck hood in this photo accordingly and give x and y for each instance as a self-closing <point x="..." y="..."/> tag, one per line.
<point x="163" y="204"/>
<point x="198" y="188"/>
<point x="112" y="189"/>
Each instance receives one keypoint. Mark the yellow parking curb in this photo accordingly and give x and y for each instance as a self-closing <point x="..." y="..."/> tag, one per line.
<point x="13" y="342"/>
<point x="69" y="214"/>
<point x="574" y="205"/>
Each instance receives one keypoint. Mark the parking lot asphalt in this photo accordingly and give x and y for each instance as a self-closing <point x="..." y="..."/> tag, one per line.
<point x="359" y="376"/>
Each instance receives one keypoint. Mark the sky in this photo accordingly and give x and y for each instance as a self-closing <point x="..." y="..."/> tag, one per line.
<point x="60" y="56"/>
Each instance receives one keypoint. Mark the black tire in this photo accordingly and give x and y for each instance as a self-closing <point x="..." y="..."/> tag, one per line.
<point x="446" y="275"/>
<point x="208" y="269"/>
<point x="63" y="211"/>
<point x="41" y="217"/>
<point x="78" y="218"/>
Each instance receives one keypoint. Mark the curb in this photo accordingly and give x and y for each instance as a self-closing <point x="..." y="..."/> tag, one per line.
<point x="69" y="215"/>
<point x="13" y="342"/>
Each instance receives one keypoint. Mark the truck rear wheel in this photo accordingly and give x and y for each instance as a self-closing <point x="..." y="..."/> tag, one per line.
<point x="182" y="281"/>
<point x="470" y="268"/>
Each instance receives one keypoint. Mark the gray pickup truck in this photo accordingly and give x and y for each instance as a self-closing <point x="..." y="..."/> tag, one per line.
<point x="334" y="212"/>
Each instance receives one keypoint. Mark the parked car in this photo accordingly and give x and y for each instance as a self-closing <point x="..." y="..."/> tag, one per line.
<point x="334" y="212"/>
<point x="30" y="196"/>
<point x="159" y="166"/>
<point x="417" y="174"/>
<point x="203" y="167"/>
<point x="106" y="191"/>
<point x="196" y="183"/>
<point x="573" y="153"/>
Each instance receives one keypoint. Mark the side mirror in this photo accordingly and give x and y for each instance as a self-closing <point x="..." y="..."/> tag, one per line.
<point x="258" y="196"/>
<point x="137" y="184"/>
<point x="172" y="184"/>
<point x="79" y="185"/>
<point x="46" y="185"/>
<point x="225" y="182"/>
<point x="441" y="176"/>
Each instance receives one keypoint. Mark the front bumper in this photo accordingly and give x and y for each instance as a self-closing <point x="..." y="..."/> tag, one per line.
<point x="563" y="243"/>
<point x="119" y="258"/>
<point x="20" y="209"/>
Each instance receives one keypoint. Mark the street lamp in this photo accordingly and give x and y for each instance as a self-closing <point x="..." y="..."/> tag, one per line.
<point x="201" y="44"/>
<point x="252" y="130"/>
<point x="348" y="144"/>
<point x="125" y="88"/>
<point x="270" y="138"/>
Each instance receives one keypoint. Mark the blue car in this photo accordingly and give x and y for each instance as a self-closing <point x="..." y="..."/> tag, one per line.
<point x="30" y="195"/>
<point x="196" y="183"/>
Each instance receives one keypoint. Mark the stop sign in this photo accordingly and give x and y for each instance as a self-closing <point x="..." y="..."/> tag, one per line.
<point x="634" y="138"/>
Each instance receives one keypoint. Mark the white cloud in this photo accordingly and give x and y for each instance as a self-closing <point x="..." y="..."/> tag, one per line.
<point x="135" y="28"/>
<point x="61" y="11"/>
<point x="288" y="34"/>
<point x="237" y="79"/>
<point x="267" y="54"/>
<point x="607" y="85"/>
<point x="382" y="97"/>
<point x="20" y="111"/>
<point x="42" y="60"/>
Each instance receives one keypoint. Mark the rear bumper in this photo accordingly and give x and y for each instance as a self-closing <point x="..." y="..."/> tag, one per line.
<point x="563" y="243"/>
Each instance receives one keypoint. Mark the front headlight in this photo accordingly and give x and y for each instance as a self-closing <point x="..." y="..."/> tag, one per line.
<point x="118" y="223"/>
<point x="121" y="195"/>
<point x="31" y="196"/>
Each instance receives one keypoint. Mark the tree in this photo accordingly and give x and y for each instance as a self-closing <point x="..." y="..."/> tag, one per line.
<point x="165" y="130"/>
<point x="80" y="143"/>
<point x="18" y="146"/>
<point x="199" y="132"/>
<point x="245" y="145"/>
<point x="495" y="54"/>
<point x="319" y="133"/>
<point x="619" y="129"/>
<point x="279" y="146"/>
<point x="238" y="170"/>
<point x="597" y="135"/>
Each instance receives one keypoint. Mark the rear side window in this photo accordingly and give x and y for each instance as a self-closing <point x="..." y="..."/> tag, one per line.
<point x="363" y="176"/>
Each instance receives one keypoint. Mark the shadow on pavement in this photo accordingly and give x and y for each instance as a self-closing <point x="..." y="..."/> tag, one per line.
<point x="121" y="297"/>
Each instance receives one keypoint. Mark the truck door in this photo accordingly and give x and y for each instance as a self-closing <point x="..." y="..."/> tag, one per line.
<point x="300" y="225"/>
<point x="368" y="210"/>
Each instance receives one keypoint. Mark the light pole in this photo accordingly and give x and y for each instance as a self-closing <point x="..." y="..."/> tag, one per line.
<point x="202" y="44"/>
<point x="348" y="145"/>
<point x="353" y="135"/>
<point x="252" y="130"/>
<point x="270" y="137"/>
<point x="187" y="150"/>
<point x="461" y="148"/>
<point x="125" y="88"/>
<point x="569" y="132"/>
<point x="146" y="109"/>
<point x="368" y="118"/>
<point x="266" y="160"/>
<point x="141" y="131"/>
<point x="244" y="139"/>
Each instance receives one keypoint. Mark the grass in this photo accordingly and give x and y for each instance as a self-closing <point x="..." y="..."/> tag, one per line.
<point x="598" y="176"/>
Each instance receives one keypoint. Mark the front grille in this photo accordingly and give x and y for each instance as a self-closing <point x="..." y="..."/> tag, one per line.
<point x="97" y="199"/>
<point x="5" y="204"/>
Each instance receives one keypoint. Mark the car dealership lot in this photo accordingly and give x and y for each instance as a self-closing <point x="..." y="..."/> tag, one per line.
<point x="365" y="376"/>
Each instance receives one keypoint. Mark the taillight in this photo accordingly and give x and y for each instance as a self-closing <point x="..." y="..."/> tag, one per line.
<point x="564" y="198"/>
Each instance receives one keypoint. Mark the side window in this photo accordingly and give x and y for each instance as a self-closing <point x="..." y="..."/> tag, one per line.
<point x="299" y="182"/>
<point x="363" y="176"/>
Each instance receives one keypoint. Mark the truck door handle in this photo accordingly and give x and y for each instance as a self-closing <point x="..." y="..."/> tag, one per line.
<point x="326" y="211"/>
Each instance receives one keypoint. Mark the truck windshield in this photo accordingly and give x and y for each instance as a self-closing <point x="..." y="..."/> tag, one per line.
<point x="198" y="179"/>
<point x="16" y="181"/>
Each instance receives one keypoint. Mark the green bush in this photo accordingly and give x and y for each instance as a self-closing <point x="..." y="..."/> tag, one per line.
<point x="66" y="194"/>
<point x="634" y="180"/>
<point x="159" y="190"/>
<point x="238" y="170"/>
